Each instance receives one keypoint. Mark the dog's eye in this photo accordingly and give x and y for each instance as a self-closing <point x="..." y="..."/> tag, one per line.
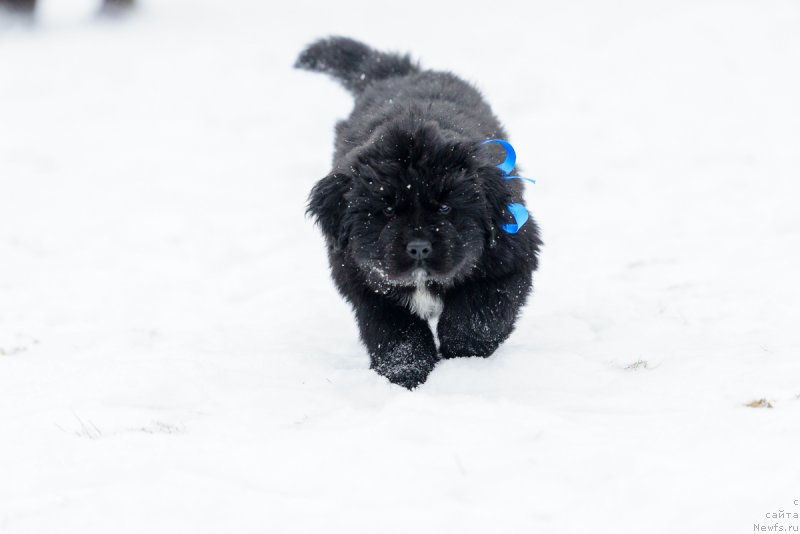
<point x="388" y="211"/>
<point x="444" y="208"/>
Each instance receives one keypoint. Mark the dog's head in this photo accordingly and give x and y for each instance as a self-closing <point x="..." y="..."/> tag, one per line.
<point x="413" y="204"/>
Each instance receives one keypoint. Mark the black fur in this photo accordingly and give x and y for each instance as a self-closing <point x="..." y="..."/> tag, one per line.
<point x="412" y="145"/>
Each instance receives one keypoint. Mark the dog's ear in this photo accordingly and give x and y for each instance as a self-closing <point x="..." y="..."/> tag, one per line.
<point x="497" y="196"/>
<point x="327" y="205"/>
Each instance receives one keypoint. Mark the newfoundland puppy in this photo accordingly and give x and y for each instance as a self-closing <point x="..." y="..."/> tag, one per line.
<point x="427" y="235"/>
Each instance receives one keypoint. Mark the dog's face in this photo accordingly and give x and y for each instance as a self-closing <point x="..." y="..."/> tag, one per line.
<point x="412" y="207"/>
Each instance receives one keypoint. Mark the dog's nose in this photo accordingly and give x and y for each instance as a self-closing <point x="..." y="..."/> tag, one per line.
<point x="419" y="249"/>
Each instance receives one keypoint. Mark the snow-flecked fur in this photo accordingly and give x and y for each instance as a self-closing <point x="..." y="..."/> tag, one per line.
<point x="411" y="146"/>
<point x="353" y="64"/>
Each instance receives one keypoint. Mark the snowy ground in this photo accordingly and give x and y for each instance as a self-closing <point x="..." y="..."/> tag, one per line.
<point x="174" y="358"/>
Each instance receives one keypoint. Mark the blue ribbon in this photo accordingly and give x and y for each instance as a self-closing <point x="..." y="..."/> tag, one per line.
<point x="516" y="210"/>
<point x="520" y="215"/>
<point x="511" y="155"/>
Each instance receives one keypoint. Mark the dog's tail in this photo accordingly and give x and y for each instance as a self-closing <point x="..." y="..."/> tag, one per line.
<point x="353" y="64"/>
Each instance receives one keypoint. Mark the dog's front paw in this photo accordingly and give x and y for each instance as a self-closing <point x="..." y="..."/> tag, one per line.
<point x="405" y="364"/>
<point x="407" y="375"/>
<point x="457" y="340"/>
<point x="466" y="349"/>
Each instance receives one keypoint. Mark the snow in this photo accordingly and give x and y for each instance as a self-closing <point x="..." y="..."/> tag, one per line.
<point x="174" y="357"/>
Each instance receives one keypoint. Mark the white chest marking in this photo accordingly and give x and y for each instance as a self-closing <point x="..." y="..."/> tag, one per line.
<point x="425" y="304"/>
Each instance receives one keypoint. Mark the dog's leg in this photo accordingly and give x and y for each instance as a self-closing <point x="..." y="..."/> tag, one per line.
<point x="19" y="7"/>
<point x="478" y="317"/>
<point x="400" y="344"/>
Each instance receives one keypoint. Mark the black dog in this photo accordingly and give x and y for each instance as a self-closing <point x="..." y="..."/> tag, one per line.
<point x="413" y="213"/>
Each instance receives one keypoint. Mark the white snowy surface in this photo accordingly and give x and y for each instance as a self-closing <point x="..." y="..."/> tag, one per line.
<point x="174" y="357"/>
